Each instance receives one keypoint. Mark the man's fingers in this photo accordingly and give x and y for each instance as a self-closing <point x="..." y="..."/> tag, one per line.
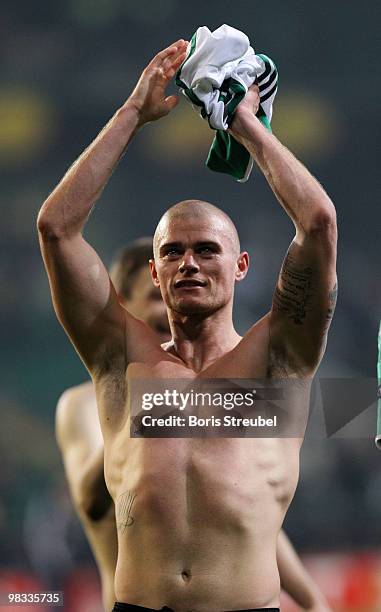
<point x="176" y="47"/>
<point x="254" y="87"/>
<point x="169" y="60"/>
<point x="171" y="102"/>
<point x="178" y="61"/>
<point x="172" y="64"/>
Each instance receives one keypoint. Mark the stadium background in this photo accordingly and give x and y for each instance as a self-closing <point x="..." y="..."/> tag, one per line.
<point x="65" y="67"/>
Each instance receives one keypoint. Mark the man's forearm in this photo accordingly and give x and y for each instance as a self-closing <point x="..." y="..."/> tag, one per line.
<point x="66" y="210"/>
<point x="295" y="580"/>
<point x="300" y="194"/>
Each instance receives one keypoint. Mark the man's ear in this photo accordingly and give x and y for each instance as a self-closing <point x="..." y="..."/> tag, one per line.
<point x="153" y="271"/>
<point x="242" y="266"/>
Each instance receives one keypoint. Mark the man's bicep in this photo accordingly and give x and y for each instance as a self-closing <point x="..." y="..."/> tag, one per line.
<point x="304" y="299"/>
<point x="84" y="298"/>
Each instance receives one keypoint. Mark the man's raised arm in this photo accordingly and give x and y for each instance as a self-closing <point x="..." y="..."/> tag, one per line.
<point x="83" y="296"/>
<point x="305" y="296"/>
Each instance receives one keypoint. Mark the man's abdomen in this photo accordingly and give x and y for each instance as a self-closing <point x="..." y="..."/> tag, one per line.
<point x="198" y="522"/>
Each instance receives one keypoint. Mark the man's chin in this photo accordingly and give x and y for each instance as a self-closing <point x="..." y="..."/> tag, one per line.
<point x="192" y="307"/>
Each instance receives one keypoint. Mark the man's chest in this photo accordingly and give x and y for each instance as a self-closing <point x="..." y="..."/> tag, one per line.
<point x="155" y="372"/>
<point x="249" y="359"/>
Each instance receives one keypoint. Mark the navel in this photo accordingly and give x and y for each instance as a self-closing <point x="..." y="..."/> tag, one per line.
<point x="186" y="575"/>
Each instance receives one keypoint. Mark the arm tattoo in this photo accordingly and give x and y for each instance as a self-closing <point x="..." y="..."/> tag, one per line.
<point x="124" y="517"/>
<point x="332" y="298"/>
<point x="294" y="297"/>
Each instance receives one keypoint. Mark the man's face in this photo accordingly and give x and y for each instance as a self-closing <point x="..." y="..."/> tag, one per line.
<point x="196" y="265"/>
<point x="146" y="304"/>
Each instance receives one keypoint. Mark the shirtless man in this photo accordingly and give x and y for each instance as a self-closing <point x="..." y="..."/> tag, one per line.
<point x="77" y="424"/>
<point x="81" y="443"/>
<point x="198" y="519"/>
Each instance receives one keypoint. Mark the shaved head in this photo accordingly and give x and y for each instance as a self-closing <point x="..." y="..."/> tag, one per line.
<point x="197" y="259"/>
<point x="198" y="210"/>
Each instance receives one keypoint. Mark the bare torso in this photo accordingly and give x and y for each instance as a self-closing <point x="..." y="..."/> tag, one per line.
<point x="197" y="519"/>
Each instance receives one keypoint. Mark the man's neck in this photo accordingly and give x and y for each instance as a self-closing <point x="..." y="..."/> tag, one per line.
<point x="200" y="340"/>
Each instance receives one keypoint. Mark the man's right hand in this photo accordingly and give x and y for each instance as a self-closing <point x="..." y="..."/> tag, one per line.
<point x="245" y="109"/>
<point x="148" y="97"/>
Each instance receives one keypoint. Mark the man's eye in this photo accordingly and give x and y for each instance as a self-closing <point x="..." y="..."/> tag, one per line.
<point x="205" y="250"/>
<point x="172" y="251"/>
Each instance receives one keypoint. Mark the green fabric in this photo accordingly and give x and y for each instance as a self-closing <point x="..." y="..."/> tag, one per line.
<point x="226" y="154"/>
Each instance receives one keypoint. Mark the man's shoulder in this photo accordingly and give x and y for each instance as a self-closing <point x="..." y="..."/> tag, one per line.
<point x="71" y="409"/>
<point x="249" y="359"/>
<point x="259" y="330"/>
<point x="75" y="397"/>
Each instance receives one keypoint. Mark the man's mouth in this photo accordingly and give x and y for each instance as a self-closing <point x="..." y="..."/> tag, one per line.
<point x="189" y="282"/>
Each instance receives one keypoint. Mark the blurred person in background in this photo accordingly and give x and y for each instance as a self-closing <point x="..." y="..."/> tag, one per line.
<point x="88" y="307"/>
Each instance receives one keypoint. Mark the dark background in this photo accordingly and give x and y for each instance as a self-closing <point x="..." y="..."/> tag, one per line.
<point x="65" y="68"/>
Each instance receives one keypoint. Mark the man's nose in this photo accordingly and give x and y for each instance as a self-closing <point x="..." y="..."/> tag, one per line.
<point x="189" y="263"/>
